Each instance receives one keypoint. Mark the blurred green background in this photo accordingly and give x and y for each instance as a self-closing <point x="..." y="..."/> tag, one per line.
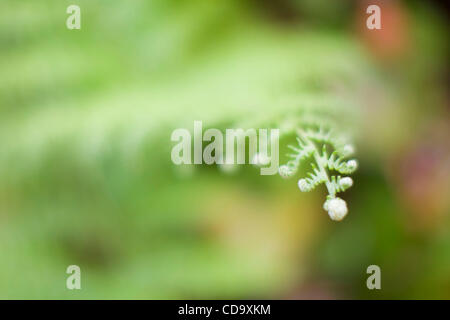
<point x="85" y="171"/>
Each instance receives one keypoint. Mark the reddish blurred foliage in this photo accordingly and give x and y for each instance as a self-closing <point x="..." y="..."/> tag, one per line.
<point x="422" y="174"/>
<point x="390" y="42"/>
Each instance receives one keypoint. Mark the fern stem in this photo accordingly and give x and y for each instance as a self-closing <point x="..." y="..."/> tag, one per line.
<point x="323" y="172"/>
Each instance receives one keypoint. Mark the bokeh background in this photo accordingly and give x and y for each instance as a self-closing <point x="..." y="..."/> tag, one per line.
<point x="85" y="171"/>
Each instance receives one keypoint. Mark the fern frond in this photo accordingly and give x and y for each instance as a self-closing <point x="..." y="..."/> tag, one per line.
<point x="308" y="142"/>
<point x="338" y="163"/>
<point x="304" y="150"/>
<point x="314" y="179"/>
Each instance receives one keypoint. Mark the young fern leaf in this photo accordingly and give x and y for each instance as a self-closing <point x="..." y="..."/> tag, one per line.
<point x="308" y="142"/>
